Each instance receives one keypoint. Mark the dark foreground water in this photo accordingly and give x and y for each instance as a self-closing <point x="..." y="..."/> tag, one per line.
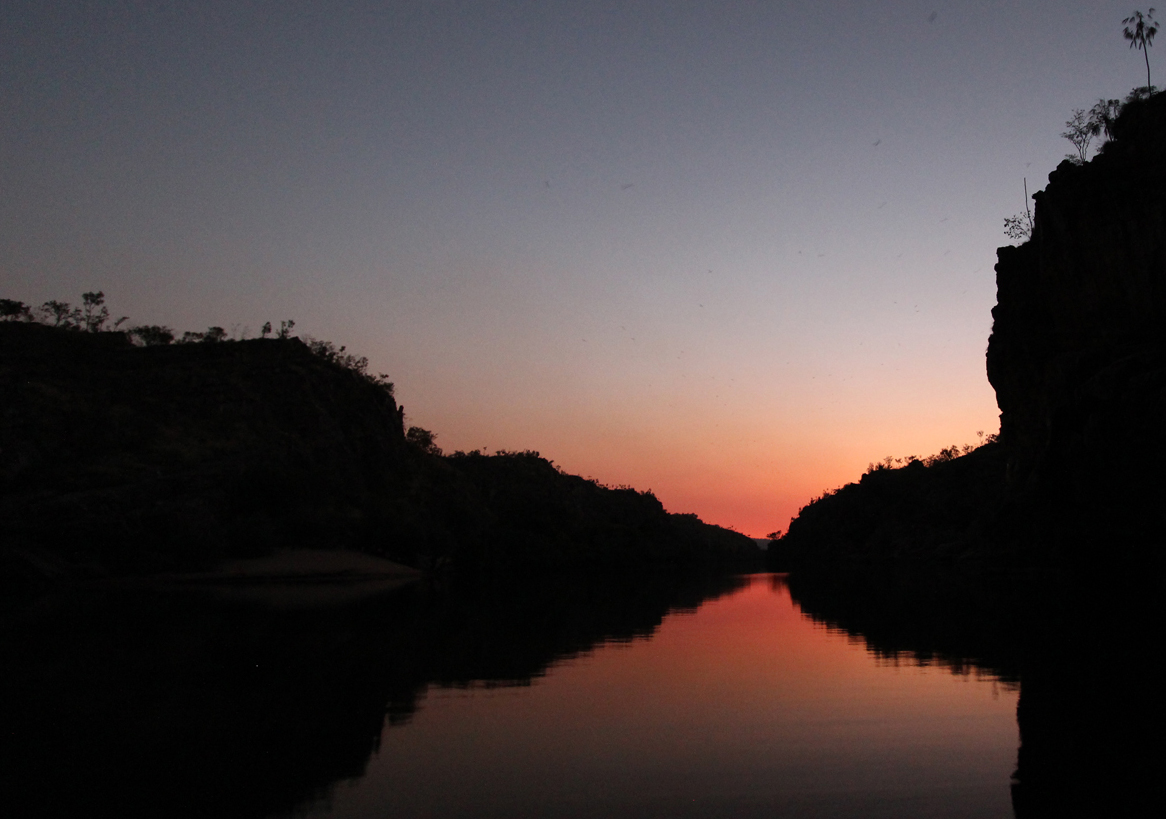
<point x="746" y="696"/>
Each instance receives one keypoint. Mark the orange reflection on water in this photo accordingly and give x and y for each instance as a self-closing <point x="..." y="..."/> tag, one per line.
<point x="745" y="707"/>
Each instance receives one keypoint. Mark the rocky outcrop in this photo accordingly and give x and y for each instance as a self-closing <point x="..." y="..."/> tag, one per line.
<point x="176" y="456"/>
<point x="1078" y="348"/>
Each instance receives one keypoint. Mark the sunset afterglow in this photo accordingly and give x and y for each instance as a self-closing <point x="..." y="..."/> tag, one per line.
<point x="727" y="252"/>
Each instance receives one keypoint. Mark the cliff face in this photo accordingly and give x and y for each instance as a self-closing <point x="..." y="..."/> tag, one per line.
<point x="1077" y="356"/>
<point x="182" y="454"/>
<point x="1078" y="348"/>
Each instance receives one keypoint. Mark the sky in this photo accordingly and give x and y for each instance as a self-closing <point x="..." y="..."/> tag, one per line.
<point x="729" y="252"/>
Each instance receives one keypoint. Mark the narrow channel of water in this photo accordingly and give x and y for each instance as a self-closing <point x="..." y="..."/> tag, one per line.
<point x="838" y="694"/>
<point x="742" y="707"/>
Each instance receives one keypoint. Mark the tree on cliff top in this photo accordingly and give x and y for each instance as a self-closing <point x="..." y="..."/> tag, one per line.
<point x="1141" y="36"/>
<point x="1105" y="113"/>
<point x="1082" y="129"/>
<point x="1085" y="126"/>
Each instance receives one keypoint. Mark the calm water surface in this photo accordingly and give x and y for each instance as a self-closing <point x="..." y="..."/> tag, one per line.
<point x="742" y="707"/>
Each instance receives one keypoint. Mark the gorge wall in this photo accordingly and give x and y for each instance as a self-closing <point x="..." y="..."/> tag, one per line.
<point x="1077" y="357"/>
<point x="115" y="455"/>
<point x="1077" y="354"/>
<point x="120" y="459"/>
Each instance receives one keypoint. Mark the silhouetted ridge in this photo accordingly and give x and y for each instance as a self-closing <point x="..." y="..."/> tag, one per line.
<point x="116" y="458"/>
<point x="915" y="512"/>
<point x="542" y="516"/>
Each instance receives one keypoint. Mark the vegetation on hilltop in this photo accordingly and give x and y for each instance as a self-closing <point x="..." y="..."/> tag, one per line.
<point x="919" y="509"/>
<point x="1084" y="129"/>
<point x="1139" y="31"/>
<point x="1098" y="122"/>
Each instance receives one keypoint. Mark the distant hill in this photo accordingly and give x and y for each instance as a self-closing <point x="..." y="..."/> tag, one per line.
<point x="922" y="511"/>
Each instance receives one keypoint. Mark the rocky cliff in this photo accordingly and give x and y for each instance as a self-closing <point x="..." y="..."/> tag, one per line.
<point x="178" y="455"/>
<point x="1077" y="357"/>
<point x="1077" y="354"/>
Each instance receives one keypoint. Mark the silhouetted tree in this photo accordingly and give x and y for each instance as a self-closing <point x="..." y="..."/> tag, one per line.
<point x="1137" y="94"/>
<point x="1018" y="227"/>
<point x="61" y="313"/>
<point x="285" y="328"/>
<point x="944" y="455"/>
<point x="210" y="336"/>
<point x="1103" y="114"/>
<point x="337" y="355"/>
<point x="1082" y="129"/>
<point x="423" y="439"/>
<point x="266" y="331"/>
<point x="1141" y="36"/>
<point x="11" y="310"/>
<point x="95" y="313"/>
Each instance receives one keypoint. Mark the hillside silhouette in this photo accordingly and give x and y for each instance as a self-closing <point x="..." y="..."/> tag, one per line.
<point x="119" y="459"/>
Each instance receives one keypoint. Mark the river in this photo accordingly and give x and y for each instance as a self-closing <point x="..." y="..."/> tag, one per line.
<point x="756" y="695"/>
<point x="742" y="707"/>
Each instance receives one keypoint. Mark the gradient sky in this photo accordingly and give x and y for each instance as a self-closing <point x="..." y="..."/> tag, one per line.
<point x="727" y="251"/>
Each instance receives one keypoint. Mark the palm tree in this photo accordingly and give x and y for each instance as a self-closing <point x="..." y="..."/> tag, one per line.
<point x="1142" y="36"/>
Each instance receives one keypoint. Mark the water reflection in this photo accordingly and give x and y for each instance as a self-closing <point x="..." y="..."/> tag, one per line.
<point x="548" y="698"/>
<point x="747" y="708"/>
<point x="1074" y="644"/>
<point x="966" y="623"/>
<point x="149" y="703"/>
